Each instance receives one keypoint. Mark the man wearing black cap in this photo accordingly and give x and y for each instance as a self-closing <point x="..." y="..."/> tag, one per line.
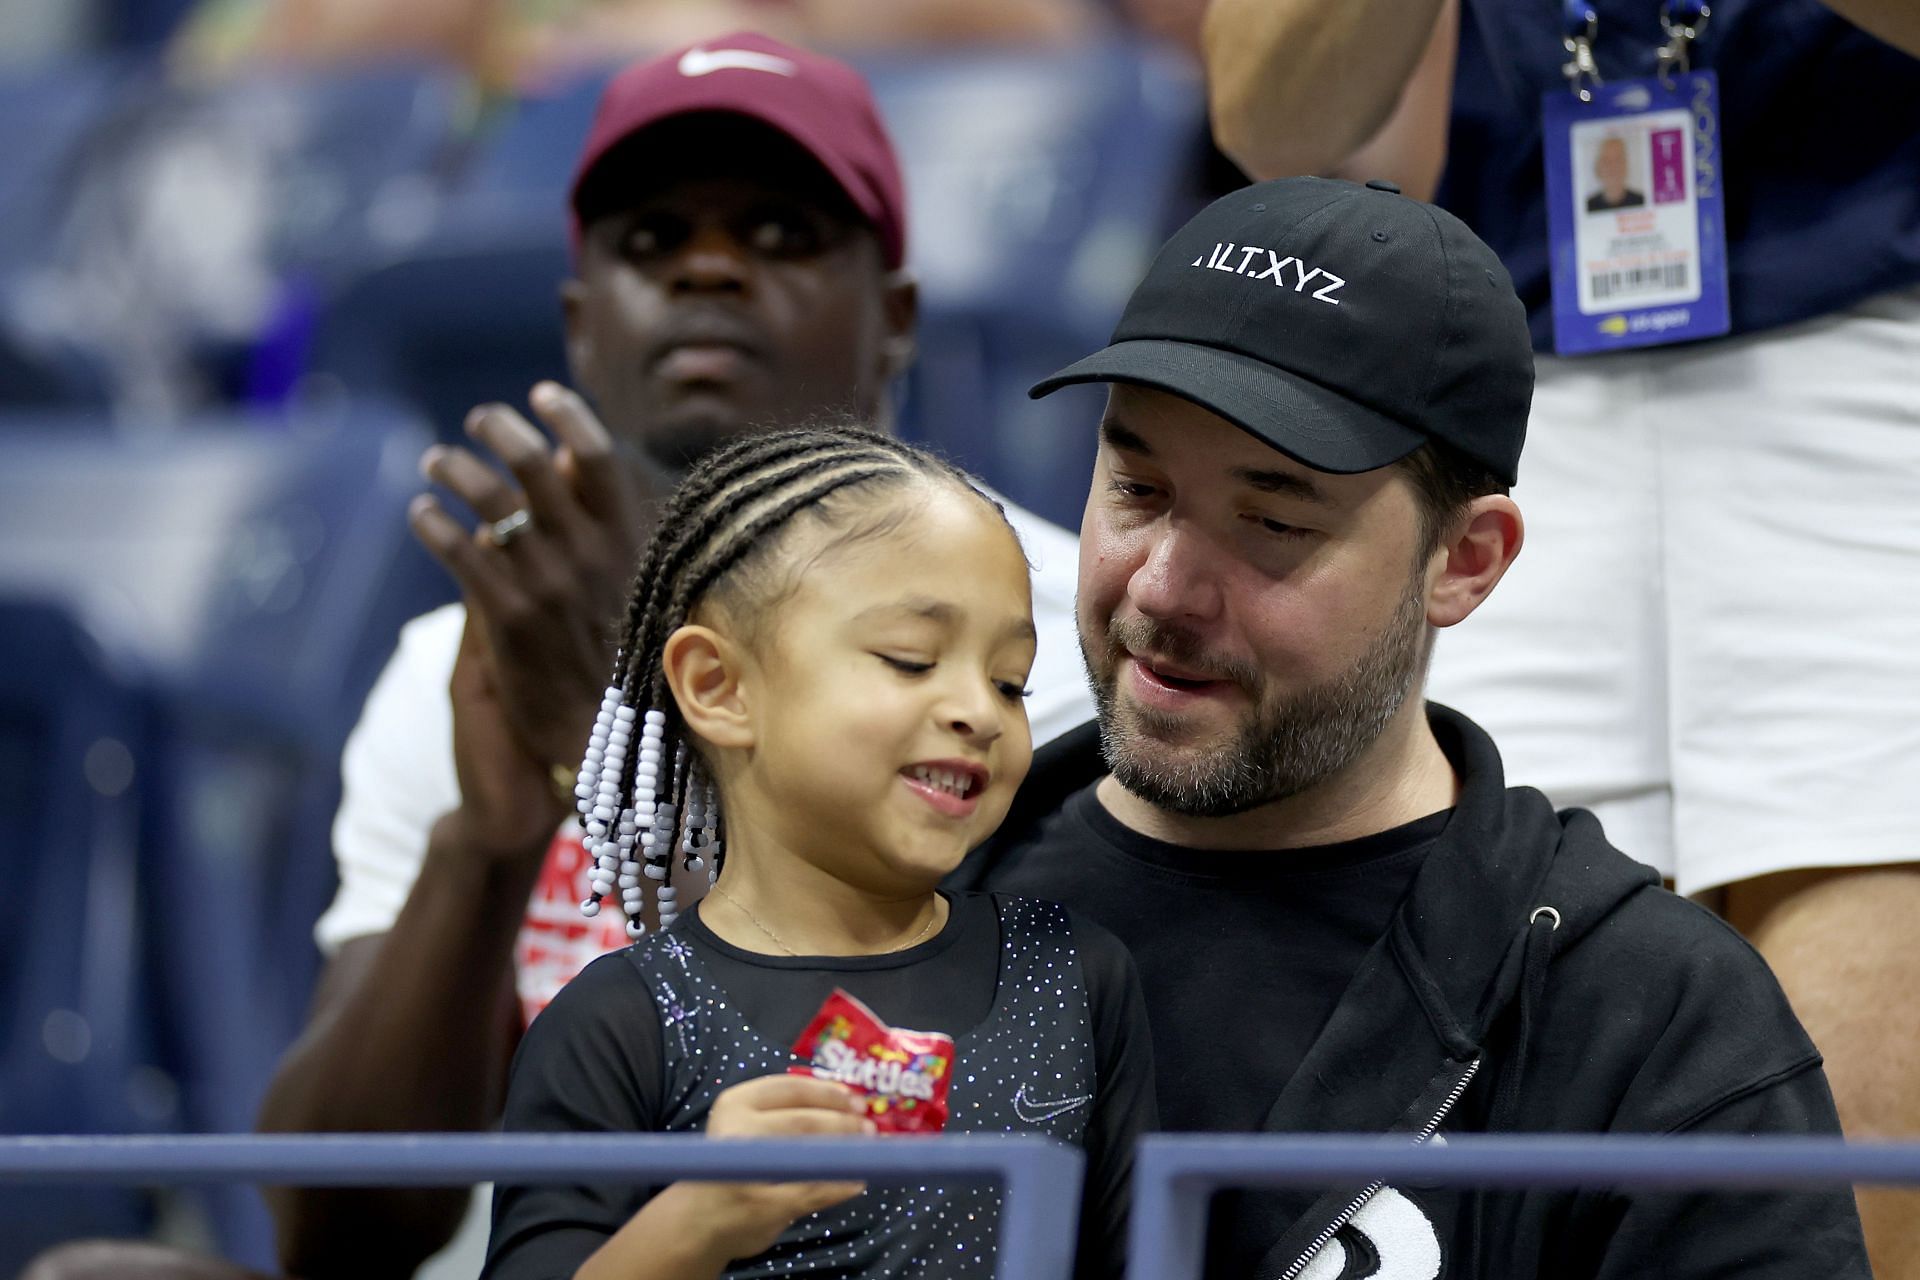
<point x="1344" y="920"/>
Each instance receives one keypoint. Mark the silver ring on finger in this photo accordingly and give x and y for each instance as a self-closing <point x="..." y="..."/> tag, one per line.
<point x="502" y="532"/>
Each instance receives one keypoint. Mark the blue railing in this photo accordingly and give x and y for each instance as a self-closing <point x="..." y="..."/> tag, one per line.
<point x="1040" y="1179"/>
<point x="1174" y="1177"/>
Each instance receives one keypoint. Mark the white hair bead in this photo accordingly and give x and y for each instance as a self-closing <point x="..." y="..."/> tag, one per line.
<point x="624" y="715"/>
<point x="636" y="930"/>
<point x="590" y="908"/>
<point x="654" y="871"/>
<point x="656" y="717"/>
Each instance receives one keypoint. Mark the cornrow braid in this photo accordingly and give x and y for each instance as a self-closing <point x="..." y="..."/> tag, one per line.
<point x="640" y="802"/>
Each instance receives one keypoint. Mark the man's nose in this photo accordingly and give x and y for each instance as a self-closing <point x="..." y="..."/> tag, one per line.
<point x="712" y="259"/>
<point x="1177" y="577"/>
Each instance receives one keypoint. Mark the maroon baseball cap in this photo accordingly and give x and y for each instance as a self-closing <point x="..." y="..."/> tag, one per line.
<point x="823" y="105"/>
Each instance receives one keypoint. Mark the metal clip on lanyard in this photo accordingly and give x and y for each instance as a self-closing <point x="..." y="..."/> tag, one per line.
<point x="1681" y="20"/>
<point x="1683" y="23"/>
<point x="1581" y="71"/>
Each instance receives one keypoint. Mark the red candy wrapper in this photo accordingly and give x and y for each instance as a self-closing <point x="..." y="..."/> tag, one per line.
<point x="904" y="1074"/>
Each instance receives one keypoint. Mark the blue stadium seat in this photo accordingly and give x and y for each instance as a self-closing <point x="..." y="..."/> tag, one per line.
<point x="470" y="312"/>
<point x="258" y="572"/>
<point x="472" y="316"/>
<point x="48" y="111"/>
<point x="1040" y="182"/>
<point x="1039" y="186"/>
<point x="75" y="1002"/>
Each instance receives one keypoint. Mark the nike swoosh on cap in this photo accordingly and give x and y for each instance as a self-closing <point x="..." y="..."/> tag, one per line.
<point x="704" y="62"/>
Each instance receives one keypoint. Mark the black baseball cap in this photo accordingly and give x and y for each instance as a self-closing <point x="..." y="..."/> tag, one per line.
<point x="1344" y="325"/>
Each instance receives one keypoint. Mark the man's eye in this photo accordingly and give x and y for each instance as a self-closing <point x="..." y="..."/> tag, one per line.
<point x="653" y="237"/>
<point x="1279" y="528"/>
<point x="1132" y="489"/>
<point x="907" y="665"/>
<point x="785" y="236"/>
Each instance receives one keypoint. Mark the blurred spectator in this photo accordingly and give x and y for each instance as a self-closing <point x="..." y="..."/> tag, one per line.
<point x="512" y="41"/>
<point x="1711" y="638"/>
<point x="1177" y="22"/>
<point x="38" y="31"/>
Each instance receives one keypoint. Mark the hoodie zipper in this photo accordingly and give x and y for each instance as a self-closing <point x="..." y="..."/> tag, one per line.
<point x="1341" y="1219"/>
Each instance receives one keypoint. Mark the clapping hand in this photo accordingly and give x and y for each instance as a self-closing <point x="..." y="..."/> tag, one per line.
<point x="543" y="575"/>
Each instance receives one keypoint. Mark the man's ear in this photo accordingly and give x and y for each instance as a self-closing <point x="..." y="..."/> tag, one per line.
<point x="705" y="669"/>
<point x="573" y="303"/>
<point x="900" y="303"/>
<point x="1481" y="545"/>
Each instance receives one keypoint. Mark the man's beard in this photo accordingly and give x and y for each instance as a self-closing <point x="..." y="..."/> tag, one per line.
<point x="1278" y="751"/>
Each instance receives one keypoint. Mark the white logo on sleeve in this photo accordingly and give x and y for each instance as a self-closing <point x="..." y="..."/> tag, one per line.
<point x="1389" y="1239"/>
<point x="704" y="62"/>
<point x="1289" y="272"/>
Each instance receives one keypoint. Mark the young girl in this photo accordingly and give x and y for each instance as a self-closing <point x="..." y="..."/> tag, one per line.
<point x="818" y="710"/>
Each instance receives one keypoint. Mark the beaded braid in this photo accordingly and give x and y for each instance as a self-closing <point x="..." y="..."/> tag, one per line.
<point x="640" y="806"/>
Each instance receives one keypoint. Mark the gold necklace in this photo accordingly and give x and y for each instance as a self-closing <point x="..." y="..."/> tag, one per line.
<point x="776" y="940"/>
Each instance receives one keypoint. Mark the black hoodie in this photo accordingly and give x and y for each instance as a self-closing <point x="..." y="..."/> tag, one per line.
<point x="1623" y="1009"/>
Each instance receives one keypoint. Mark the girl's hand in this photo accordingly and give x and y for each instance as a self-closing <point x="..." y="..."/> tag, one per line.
<point x="745" y="1218"/>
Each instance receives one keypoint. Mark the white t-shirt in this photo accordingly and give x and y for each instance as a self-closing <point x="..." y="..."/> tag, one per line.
<point x="398" y="779"/>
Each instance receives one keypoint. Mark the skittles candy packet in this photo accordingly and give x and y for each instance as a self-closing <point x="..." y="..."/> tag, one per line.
<point x="904" y="1074"/>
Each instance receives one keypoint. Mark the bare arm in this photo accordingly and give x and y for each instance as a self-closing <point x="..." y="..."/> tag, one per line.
<point x="412" y="1030"/>
<point x="1895" y="21"/>
<point x="1357" y="88"/>
<point x="691" y="1230"/>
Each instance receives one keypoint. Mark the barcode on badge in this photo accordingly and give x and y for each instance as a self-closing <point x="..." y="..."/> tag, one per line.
<point x="1659" y="279"/>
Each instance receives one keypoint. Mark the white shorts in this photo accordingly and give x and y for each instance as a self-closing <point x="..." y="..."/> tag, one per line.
<point x="1712" y="634"/>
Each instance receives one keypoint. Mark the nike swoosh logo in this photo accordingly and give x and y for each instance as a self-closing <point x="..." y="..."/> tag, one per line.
<point x="704" y="62"/>
<point x="1036" y="1112"/>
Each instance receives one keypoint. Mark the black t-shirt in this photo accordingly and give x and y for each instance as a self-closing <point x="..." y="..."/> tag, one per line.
<point x="592" y="1062"/>
<point x="1242" y="955"/>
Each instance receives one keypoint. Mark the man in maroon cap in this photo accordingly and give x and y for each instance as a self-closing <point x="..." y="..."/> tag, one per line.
<point x="739" y="228"/>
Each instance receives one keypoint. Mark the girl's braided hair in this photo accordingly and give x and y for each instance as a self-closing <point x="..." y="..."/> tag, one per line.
<point x="725" y="517"/>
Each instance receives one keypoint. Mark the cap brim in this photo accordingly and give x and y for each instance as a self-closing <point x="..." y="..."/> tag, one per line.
<point x="794" y="125"/>
<point x="1299" y="417"/>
